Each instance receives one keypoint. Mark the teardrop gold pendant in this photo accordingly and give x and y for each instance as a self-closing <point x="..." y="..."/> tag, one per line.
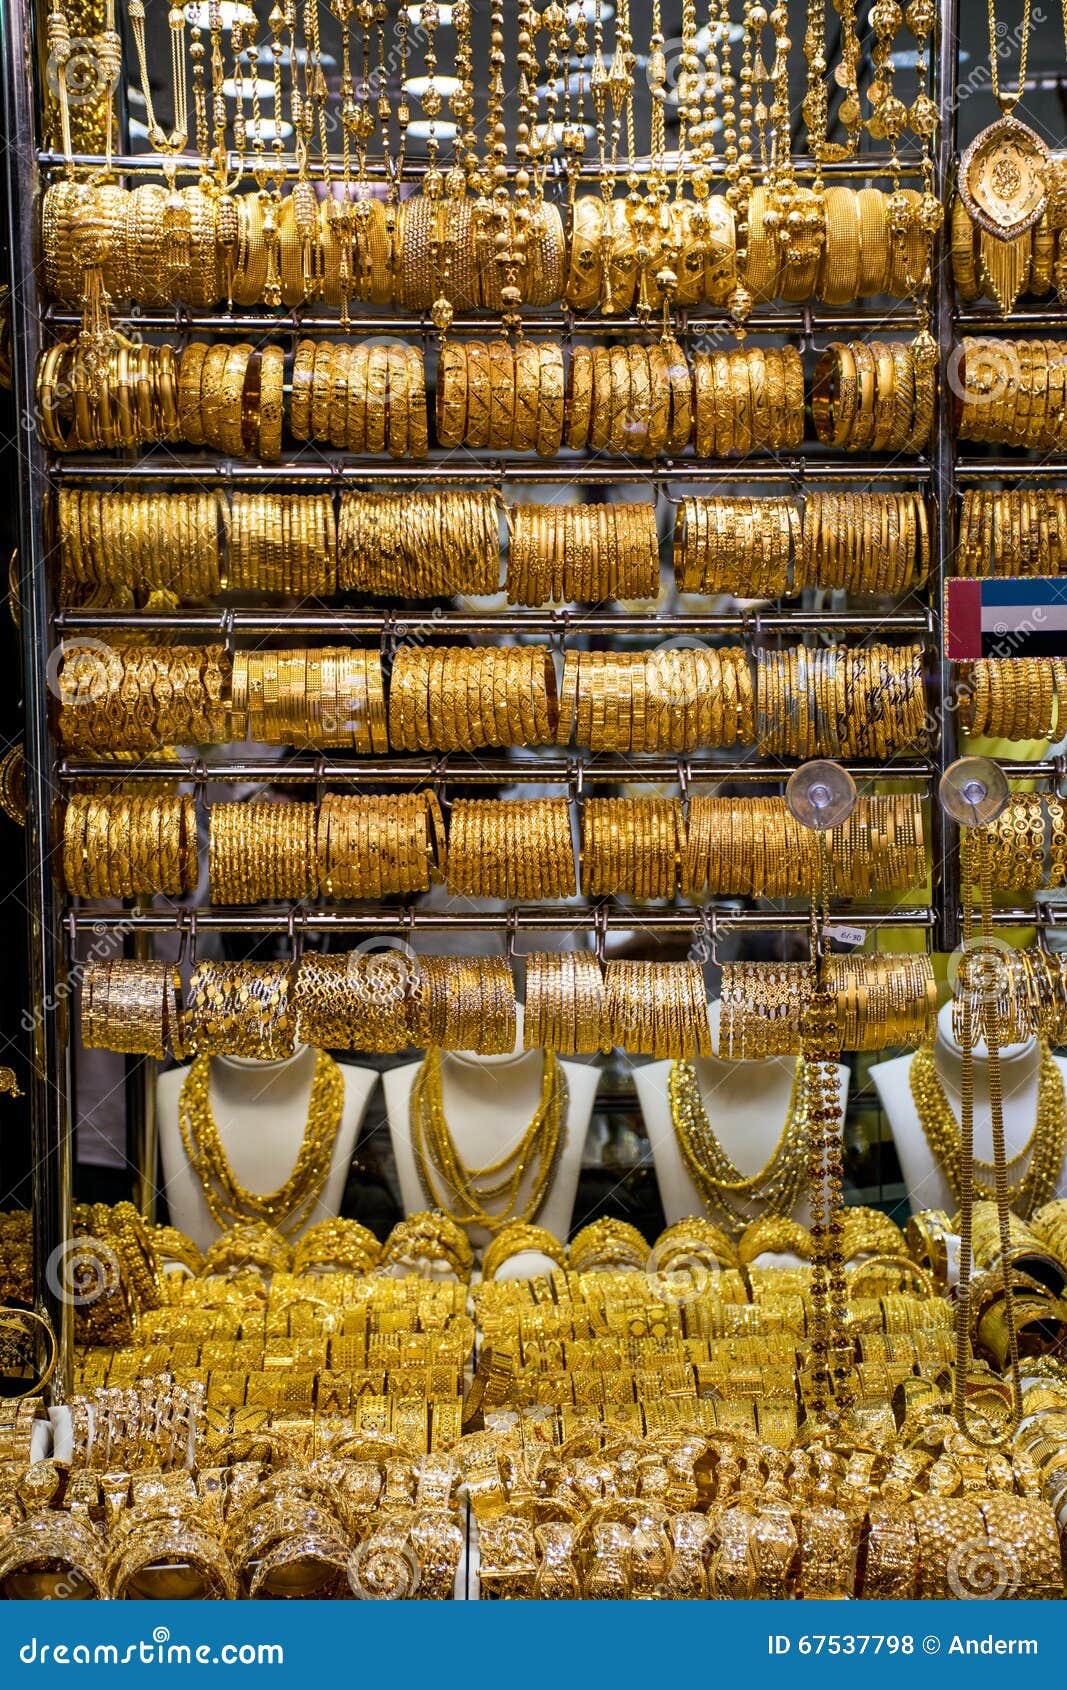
<point x="1003" y="183"/>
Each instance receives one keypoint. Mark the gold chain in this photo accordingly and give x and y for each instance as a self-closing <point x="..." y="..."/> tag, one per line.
<point x="1045" y="1146"/>
<point x="1009" y="100"/>
<point x="230" y="1202"/>
<point x="465" y="1191"/>
<point x="775" y="1186"/>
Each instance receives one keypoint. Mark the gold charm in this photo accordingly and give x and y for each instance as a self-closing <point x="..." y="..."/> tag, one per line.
<point x="1004" y="187"/>
<point x="8" y="1083"/>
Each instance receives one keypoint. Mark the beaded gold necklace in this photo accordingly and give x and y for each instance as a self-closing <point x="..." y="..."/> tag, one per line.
<point x="230" y="1202"/>
<point x="775" y="1187"/>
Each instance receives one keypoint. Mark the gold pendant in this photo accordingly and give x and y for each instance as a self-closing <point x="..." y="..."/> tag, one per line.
<point x="1003" y="184"/>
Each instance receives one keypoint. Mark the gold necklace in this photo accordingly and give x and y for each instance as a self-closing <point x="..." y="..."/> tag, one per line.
<point x="1045" y="1145"/>
<point x="1003" y="178"/>
<point x="467" y="1190"/>
<point x="775" y="1186"/>
<point x="230" y="1202"/>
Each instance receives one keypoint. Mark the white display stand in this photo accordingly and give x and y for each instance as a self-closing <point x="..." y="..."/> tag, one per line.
<point x="489" y="1102"/>
<point x="261" y="1111"/>
<point x="1020" y="1063"/>
<point x="746" y="1103"/>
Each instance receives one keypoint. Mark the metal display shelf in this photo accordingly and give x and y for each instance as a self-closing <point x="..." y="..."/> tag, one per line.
<point x="54" y="929"/>
<point x="520" y="919"/>
<point x="147" y="164"/>
<point x="340" y="469"/>
<point x="686" y="320"/>
<point x="388" y="624"/>
<point x="549" y="770"/>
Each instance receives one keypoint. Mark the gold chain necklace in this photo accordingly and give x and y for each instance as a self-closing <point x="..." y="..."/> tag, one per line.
<point x="465" y="1191"/>
<point x="230" y="1202"/>
<point x="775" y="1186"/>
<point x="1046" y="1143"/>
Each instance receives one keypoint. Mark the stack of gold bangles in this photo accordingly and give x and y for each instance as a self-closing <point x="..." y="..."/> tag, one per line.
<point x="280" y="545"/>
<point x="419" y="545"/>
<point x="496" y="397"/>
<point x="134" y="1007"/>
<point x="332" y="696"/>
<point x="837" y="701"/>
<point x="360" y="399"/>
<point x="1021" y="531"/>
<point x="511" y="848"/>
<point x="735" y="545"/>
<point x="631" y="401"/>
<point x="230" y="399"/>
<point x="1028" y="843"/>
<point x="657" y="1009"/>
<point x="453" y="698"/>
<point x="755" y="847"/>
<point x="874" y="396"/>
<point x="133" y="401"/>
<point x="881" y="1001"/>
<point x="122" y="846"/>
<point x="633" y="846"/>
<point x="565" y="1009"/>
<point x="139" y="697"/>
<point x="747" y="401"/>
<point x="1014" y="697"/>
<point x="582" y="553"/>
<point x="131" y="543"/>
<point x="672" y="699"/>
<point x="1011" y="392"/>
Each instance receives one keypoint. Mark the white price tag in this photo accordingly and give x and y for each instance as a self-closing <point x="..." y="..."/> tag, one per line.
<point x="847" y="935"/>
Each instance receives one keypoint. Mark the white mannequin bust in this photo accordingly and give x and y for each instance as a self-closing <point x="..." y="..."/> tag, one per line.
<point x="260" y="1109"/>
<point x="1020" y="1063"/>
<point x="746" y="1104"/>
<point x="489" y="1102"/>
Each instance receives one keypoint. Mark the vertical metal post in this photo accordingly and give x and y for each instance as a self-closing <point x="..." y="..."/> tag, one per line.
<point x="944" y="835"/>
<point x="142" y="1144"/>
<point x="49" y="1081"/>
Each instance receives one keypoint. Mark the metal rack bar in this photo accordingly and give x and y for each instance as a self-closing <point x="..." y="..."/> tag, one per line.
<point x="993" y="469"/>
<point x="49" y="1085"/>
<point x="185" y="323"/>
<point x="1041" y="317"/>
<point x="944" y="837"/>
<point x="520" y="919"/>
<point x="388" y="624"/>
<point x="149" y="164"/>
<point x="547" y="771"/>
<point x="590" y="472"/>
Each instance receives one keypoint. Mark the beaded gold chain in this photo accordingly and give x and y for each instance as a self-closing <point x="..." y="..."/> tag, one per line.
<point x="775" y="1186"/>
